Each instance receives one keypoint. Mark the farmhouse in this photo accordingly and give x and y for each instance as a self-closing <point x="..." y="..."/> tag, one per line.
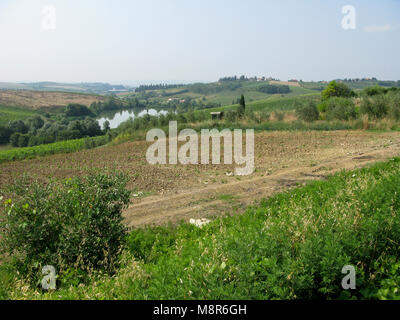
<point x="217" y="115"/>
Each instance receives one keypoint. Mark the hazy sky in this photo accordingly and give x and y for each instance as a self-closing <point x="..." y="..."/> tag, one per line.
<point x="122" y="41"/>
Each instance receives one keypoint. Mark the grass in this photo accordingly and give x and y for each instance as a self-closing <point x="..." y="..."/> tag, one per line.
<point x="291" y="246"/>
<point x="227" y="197"/>
<point x="52" y="148"/>
<point x="8" y="114"/>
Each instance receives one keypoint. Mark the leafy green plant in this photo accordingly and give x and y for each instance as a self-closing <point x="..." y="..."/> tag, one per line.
<point x="337" y="89"/>
<point x="375" y="107"/>
<point x="308" y="112"/>
<point x="340" y="109"/>
<point x="394" y="106"/>
<point x="76" y="223"/>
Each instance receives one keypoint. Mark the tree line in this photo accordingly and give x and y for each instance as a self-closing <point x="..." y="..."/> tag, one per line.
<point x="160" y="86"/>
<point x="274" y="89"/>
<point x="339" y="102"/>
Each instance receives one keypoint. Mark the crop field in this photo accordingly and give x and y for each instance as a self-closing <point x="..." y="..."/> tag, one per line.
<point x="45" y="99"/>
<point x="287" y="83"/>
<point x="13" y="154"/>
<point x="169" y="193"/>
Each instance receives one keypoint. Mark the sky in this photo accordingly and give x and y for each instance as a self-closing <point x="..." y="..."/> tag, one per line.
<point x="131" y="41"/>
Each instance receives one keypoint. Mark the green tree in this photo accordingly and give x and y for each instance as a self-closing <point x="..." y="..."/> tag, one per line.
<point x="242" y="106"/>
<point x="35" y="122"/>
<point x="77" y="110"/>
<point x="14" y="139"/>
<point x="337" y="89"/>
<point x="23" y="140"/>
<point x="4" y="135"/>
<point x="18" y="126"/>
<point x="106" y="126"/>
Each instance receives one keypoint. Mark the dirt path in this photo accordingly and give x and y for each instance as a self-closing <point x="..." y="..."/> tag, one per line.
<point x="234" y="196"/>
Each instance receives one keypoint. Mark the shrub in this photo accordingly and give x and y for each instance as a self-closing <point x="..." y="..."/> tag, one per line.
<point x="94" y="142"/>
<point x="231" y="116"/>
<point x="376" y="107"/>
<point x="308" y="112"/>
<point x="394" y="106"/>
<point x="264" y="116"/>
<point x="375" y="90"/>
<point x="278" y="115"/>
<point x="337" y="89"/>
<point x="72" y="224"/>
<point x="251" y="115"/>
<point x="322" y="107"/>
<point x="340" y="109"/>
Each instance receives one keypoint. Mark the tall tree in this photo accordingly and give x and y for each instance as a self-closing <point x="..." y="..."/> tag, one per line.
<point x="242" y="106"/>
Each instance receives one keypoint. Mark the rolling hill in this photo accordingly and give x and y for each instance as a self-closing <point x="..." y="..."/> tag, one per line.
<point x="45" y="99"/>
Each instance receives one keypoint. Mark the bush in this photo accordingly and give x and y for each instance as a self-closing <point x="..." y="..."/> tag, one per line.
<point x="308" y="112"/>
<point x="278" y="115"/>
<point x="340" y="109"/>
<point x="75" y="224"/>
<point x="231" y="116"/>
<point x="323" y="106"/>
<point x="335" y="89"/>
<point x="95" y="142"/>
<point x="375" y="90"/>
<point x="394" y="106"/>
<point x="376" y="107"/>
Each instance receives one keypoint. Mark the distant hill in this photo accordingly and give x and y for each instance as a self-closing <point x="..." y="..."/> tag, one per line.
<point x="95" y="87"/>
<point x="45" y="99"/>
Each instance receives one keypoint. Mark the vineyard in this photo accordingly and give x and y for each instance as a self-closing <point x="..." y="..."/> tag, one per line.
<point x="53" y="148"/>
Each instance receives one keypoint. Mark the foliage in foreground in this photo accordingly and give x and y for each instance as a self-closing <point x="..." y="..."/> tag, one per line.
<point x="291" y="246"/>
<point x="74" y="225"/>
